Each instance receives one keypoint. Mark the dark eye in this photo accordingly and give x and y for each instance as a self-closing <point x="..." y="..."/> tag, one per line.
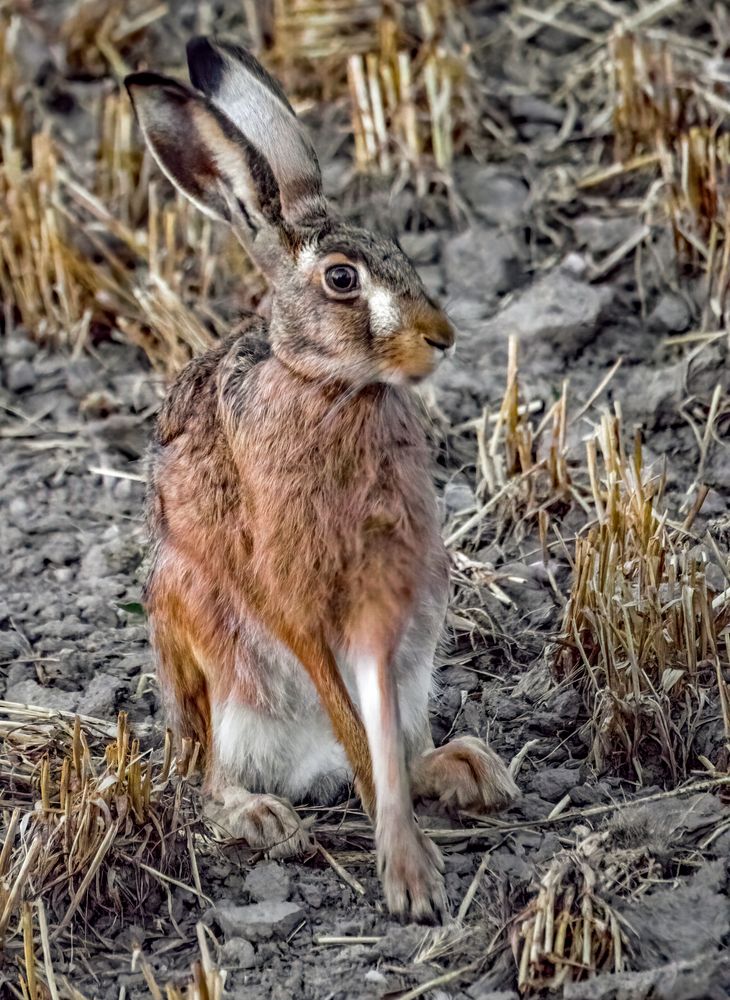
<point x="342" y="278"/>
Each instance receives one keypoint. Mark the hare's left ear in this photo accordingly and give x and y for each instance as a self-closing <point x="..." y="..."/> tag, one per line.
<point x="206" y="157"/>
<point x="240" y="87"/>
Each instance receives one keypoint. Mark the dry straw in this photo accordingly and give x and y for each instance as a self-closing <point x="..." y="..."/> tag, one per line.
<point x="413" y="91"/>
<point x="95" y="33"/>
<point x="311" y="37"/>
<point x="522" y="468"/>
<point x="669" y="115"/>
<point x="38" y="979"/>
<point x="414" y="99"/>
<point x="570" y="929"/>
<point x="93" y="828"/>
<point x="84" y="256"/>
<point x="644" y="635"/>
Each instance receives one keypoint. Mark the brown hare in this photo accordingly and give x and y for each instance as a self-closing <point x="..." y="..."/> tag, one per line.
<point x="299" y="582"/>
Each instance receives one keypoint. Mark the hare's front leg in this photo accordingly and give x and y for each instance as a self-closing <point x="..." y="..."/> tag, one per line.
<point x="409" y="863"/>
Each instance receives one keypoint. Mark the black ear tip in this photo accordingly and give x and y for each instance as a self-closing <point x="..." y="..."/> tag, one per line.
<point x="156" y="86"/>
<point x="141" y="79"/>
<point x="197" y="45"/>
<point x="205" y="64"/>
<point x="135" y="82"/>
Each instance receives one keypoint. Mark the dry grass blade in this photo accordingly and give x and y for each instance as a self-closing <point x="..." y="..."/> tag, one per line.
<point x="82" y="256"/>
<point x="96" y="32"/>
<point x="522" y="469"/>
<point x="669" y="109"/>
<point x="311" y="36"/>
<point x="413" y="99"/>
<point x="207" y="981"/>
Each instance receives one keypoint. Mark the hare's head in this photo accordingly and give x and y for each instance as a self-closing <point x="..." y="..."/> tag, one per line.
<point x="346" y="305"/>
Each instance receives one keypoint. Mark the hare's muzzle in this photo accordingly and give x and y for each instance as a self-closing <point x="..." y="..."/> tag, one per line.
<point x="425" y="337"/>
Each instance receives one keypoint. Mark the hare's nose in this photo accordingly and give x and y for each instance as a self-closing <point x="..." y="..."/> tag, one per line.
<point x="440" y="345"/>
<point x="440" y="335"/>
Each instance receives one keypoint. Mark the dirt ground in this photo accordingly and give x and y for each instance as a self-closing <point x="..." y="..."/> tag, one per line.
<point x="526" y="258"/>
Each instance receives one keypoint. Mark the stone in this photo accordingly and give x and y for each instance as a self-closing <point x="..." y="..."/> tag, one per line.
<point x="82" y="377"/>
<point x="558" y="311"/>
<point x="553" y="783"/>
<point x="497" y="197"/>
<point x="312" y="895"/>
<point x="19" y="508"/>
<point x="17" y="347"/>
<point x="535" y="109"/>
<point x="704" y="977"/>
<point x="238" y="953"/>
<point x="31" y="693"/>
<point x="267" y="881"/>
<point x="11" y="645"/>
<point x="422" y="248"/>
<point x="69" y="628"/>
<point x="21" y="375"/>
<point x="677" y="923"/>
<point x="671" y="314"/>
<point x="99" y="698"/>
<point x="432" y="278"/>
<point x="601" y="235"/>
<point x="398" y="941"/>
<point x="480" y="263"/>
<point x="116" y="554"/>
<point x="477" y="994"/>
<point x="259" y="921"/>
<point x="654" y="396"/>
<point x="458" y="496"/>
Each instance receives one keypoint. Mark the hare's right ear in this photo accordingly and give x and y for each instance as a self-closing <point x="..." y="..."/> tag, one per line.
<point x="205" y="155"/>
<point x="239" y="86"/>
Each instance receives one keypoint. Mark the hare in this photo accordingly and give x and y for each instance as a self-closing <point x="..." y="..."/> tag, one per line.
<point x="299" y="582"/>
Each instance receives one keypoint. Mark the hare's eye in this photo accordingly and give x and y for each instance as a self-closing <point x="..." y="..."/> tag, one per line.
<point x="342" y="278"/>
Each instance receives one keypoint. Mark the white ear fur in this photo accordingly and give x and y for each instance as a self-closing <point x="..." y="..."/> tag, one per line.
<point x="242" y="89"/>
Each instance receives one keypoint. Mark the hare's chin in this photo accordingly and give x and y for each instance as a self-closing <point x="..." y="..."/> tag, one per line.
<point x="402" y="376"/>
<point x="396" y="376"/>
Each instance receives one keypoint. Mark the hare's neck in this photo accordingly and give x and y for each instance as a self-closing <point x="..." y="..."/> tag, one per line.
<point x="309" y="365"/>
<point x="335" y="409"/>
<point x="326" y="421"/>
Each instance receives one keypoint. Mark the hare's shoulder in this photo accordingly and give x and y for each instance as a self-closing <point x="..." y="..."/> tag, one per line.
<point x="192" y="401"/>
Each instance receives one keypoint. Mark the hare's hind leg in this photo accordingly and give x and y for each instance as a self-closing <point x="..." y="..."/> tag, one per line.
<point x="266" y="822"/>
<point x="464" y="774"/>
<point x="194" y="653"/>
<point x="182" y="682"/>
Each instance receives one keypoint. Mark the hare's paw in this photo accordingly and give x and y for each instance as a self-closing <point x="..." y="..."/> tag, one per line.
<point x="265" y="822"/>
<point x="465" y="774"/>
<point x="411" y="873"/>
